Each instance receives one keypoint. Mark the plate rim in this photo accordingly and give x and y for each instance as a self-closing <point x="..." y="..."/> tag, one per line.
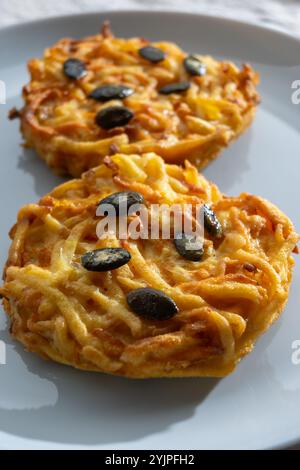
<point x="165" y="12"/>
<point x="250" y="25"/>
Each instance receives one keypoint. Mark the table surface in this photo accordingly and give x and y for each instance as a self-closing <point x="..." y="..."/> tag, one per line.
<point x="280" y="14"/>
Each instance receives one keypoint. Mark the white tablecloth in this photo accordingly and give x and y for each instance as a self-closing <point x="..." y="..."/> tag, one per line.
<point x="282" y="14"/>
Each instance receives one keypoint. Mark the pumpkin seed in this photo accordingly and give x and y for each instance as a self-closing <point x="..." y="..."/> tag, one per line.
<point x="74" y="69"/>
<point x="111" y="92"/>
<point x="194" y="66"/>
<point x="184" y="244"/>
<point x="114" y="116"/>
<point x="153" y="54"/>
<point x="177" y="87"/>
<point x="105" y="259"/>
<point x="123" y="199"/>
<point x="211" y="222"/>
<point x="152" y="304"/>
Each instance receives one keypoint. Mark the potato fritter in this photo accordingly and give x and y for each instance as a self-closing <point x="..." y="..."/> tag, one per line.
<point x="102" y="95"/>
<point x="143" y="308"/>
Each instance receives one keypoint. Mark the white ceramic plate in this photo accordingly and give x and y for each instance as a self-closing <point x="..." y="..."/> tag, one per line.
<point x="45" y="405"/>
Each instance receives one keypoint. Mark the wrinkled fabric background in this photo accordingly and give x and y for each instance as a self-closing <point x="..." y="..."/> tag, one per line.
<point x="281" y="14"/>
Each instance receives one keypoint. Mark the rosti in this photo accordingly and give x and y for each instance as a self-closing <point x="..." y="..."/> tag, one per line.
<point x="213" y="309"/>
<point x="160" y="99"/>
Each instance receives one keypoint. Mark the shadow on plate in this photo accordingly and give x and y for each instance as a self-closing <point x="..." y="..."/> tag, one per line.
<point x="90" y="408"/>
<point x="44" y="179"/>
<point x="231" y="165"/>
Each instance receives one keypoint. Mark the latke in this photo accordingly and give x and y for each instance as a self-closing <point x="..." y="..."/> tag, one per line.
<point x="166" y="102"/>
<point x="159" y="314"/>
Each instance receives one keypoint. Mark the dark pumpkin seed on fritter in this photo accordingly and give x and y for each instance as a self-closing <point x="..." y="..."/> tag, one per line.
<point x="111" y="92"/>
<point x="114" y="116"/>
<point x="194" y="66"/>
<point x="185" y="245"/>
<point x="251" y="268"/>
<point x="105" y="259"/>
<point x="74" y="69"/>
<point x="122" y="199"/>
<point x="211" y="222"/>
<point x="153" y="54"/>
<point x="177" y="87"/>
<point x="152" y="304"/>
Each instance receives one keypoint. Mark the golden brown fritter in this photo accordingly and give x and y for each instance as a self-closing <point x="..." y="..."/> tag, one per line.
<point x="59" y="116"/>
<point x="69" y="314"/>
